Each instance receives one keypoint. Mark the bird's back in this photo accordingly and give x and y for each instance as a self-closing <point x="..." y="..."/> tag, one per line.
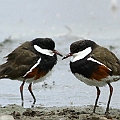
<point x="18" y="62"/>
<point x="107" y="58"/>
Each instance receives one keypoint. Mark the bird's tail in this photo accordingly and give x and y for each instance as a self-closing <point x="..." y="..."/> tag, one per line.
<point x="3" y="71"/>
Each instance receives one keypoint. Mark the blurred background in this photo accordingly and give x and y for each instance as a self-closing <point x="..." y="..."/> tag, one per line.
<point x="37" y="18"/>
<point x="65" y="21"/>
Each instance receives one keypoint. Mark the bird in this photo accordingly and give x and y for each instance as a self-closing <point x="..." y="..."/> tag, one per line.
<point x="30" y="62"/>
<point x="94" y="65"/>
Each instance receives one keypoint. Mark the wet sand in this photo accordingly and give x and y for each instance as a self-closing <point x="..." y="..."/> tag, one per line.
<point x="57" y="113"/>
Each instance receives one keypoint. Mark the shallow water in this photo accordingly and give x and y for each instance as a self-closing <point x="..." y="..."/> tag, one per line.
<point x="62" y="88"/>
<point x="94" y="20"/>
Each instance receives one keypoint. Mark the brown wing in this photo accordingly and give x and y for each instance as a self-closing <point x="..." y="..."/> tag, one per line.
<point x="108" y="58"/>
<point x="100" y="73"/>
<point x="19" y="62"/>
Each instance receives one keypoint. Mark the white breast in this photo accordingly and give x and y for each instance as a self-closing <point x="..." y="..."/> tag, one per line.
<point x="94" y="82"/>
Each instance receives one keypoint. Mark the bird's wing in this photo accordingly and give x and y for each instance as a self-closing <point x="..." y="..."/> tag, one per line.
<point x="108" y="58"/>
<point x="19" y="62"/>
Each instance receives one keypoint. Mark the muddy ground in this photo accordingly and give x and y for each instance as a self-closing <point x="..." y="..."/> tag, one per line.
<point x="57" y="113"/>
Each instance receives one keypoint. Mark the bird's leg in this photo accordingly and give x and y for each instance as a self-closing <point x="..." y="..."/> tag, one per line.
<point x="30" y="90"/>
<point x="98" y="93"/>
<point x="21" y="91"/>
<point x="111" y="91"/>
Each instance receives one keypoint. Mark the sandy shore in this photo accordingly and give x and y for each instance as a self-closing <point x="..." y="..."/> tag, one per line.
<point x="15" y="112"/>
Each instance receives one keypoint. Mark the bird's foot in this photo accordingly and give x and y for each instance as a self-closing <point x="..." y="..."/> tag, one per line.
<point x="33" y="104"/>
<point x="22" y="104"/>
<point x="107" y="114"/>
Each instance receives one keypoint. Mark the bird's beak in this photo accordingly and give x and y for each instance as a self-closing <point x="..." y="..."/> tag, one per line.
<point x="68" y="55"/>
<point x="56" y="52"/>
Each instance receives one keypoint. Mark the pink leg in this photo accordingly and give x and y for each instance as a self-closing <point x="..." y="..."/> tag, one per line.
<point x="21" y="90"/>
